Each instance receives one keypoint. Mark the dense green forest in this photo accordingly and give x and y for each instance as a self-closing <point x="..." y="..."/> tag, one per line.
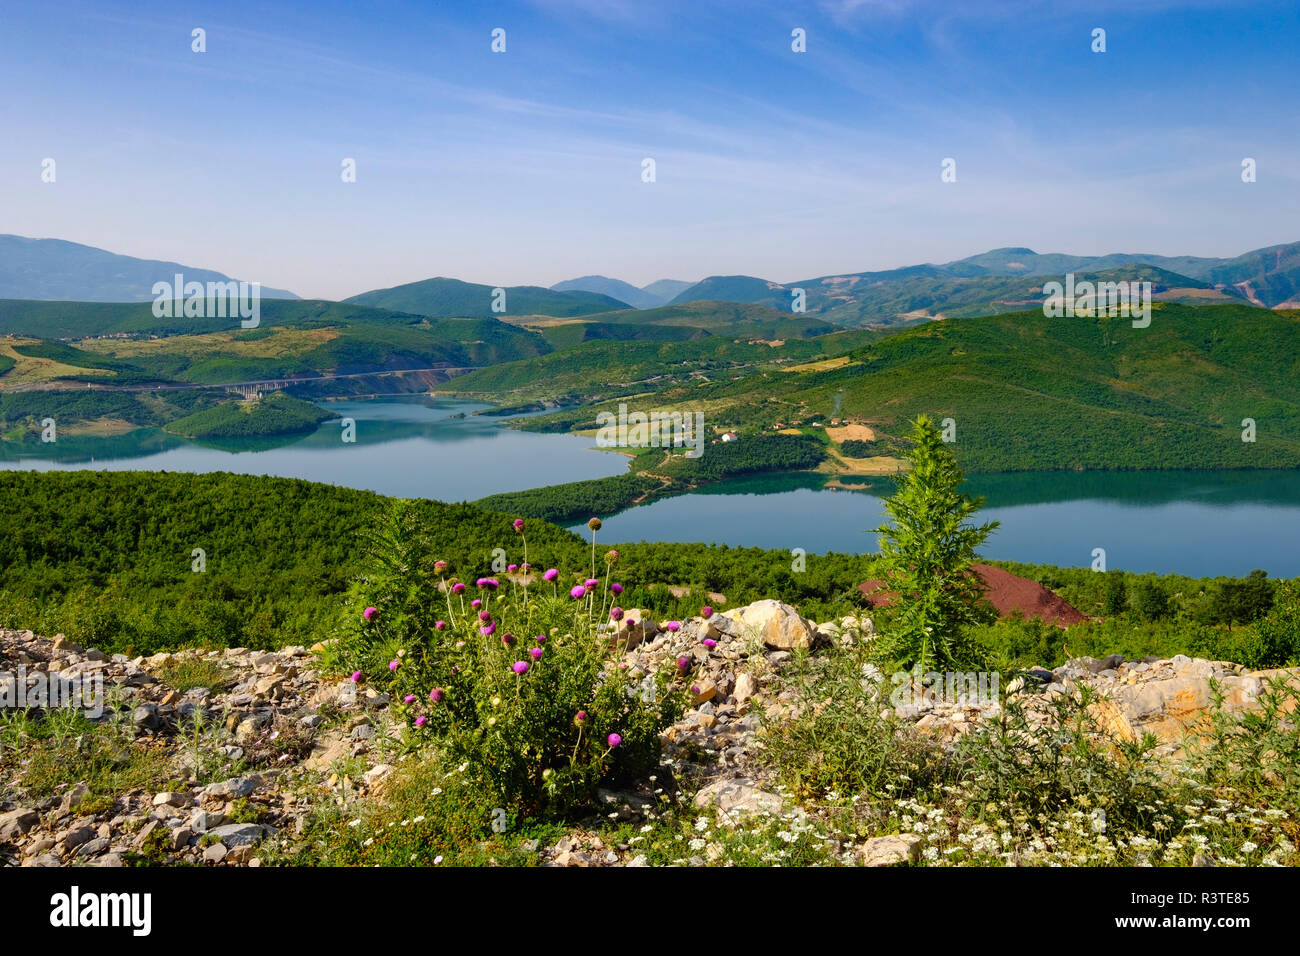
<point x="108" y="558"/>
<point x="274" y="414"/>
<point x="574" y="500"/>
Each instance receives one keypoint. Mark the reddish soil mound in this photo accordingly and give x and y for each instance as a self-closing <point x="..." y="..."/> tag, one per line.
<point x="1007" y="593"/>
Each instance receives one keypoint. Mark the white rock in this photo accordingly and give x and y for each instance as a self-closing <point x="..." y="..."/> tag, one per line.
<point x="777" y="624"/>
<point x="891" y="850"/>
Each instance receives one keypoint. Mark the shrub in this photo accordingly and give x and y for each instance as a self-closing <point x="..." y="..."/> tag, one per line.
<point x="846" y="739"/>
<point x="1254" y="756"/>
<point x="1279" y="629"/>
<point x="1066" y="762"/>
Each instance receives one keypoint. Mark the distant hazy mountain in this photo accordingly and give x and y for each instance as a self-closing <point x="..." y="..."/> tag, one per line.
<point x="57" y="270"/>
<point x="1008" y="279"/>
<point x="614" y="288"/>
<point x="649" y="297"/>
<point x="666" y="289"/>
<point x="450" y="298"/>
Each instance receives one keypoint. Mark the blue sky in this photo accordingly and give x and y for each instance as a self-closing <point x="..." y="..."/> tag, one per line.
<point x="525" y="167"/>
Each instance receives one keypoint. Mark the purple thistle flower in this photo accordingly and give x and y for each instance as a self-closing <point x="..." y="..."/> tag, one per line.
<point x="673" y="625"/>
<point x="616" y="613"/>
<point x="683" y="664"/>
<point x="421" y="720"/>
<point x="616" y="588"/>
<point x="440" y="566"/>
<point x="518" y="525"/>
<point x="709" y="642"/>
<point x="577" y="591"/>
<point x="485" y="615"/>
<point x="356" y="677"/>
<point x="369" y="612"/>
<point x="487" y="630"/>
<point x="551" y="574"/>
<point x="476" y="604"/>
<point x="520" y="667"/>
<point x="536" y="653"/>
<point x="440" y="625"/>
<point x="591" y="583"/>
<point x="458" y="588"/>
<point x="706" y="612"/>
<point x="507" y="639"/>
<point x="540" y="638"/>
<point x="580" y="717"/>
<point x="435" y="695"/>
<point x="408" y="699"/>
<point x="394" y="664"/>
<point x="614" y="740"/>
<point x="512" y="568"/>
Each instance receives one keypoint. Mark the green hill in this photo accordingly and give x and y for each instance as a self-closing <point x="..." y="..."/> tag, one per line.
<point x="603" y="369"/>
<point x="79" y="320"/>
<point x="724" y="318"/>
<point x="1027" y="392"/>
<point x="274" y="414"/>
<point x="453" y="298"/>
<point x="298" y="339"/>
<point x="736" y="289"/>
<point x="573" y="333"/>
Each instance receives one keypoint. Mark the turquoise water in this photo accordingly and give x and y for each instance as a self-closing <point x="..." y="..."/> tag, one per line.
<point x="1197" y="523"/>
<point x="408" y="447"/>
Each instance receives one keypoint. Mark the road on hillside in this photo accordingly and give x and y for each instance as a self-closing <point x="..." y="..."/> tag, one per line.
<point x="276" y="382"/>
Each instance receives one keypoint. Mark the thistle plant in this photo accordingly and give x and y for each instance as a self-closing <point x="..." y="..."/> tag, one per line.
<point x="525" y="692"/>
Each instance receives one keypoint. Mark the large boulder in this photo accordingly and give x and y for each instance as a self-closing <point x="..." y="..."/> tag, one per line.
<point x="15" y="823"/>
<point x="737" y="796"/>
<point x="891" y="850"/>
<point x="1173" y="699"/>
<point x="778" y="625"/>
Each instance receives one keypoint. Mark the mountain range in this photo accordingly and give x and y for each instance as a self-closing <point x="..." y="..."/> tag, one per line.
<point x="1000" y="280"/>
<point x="993" y="282"/>
<point x="1004" y="280"/>
<point x="57" y="270"/>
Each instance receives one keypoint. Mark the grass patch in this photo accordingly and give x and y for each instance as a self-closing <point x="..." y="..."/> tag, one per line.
<point x="184" y="674"/>
<point x="63" y="748"/>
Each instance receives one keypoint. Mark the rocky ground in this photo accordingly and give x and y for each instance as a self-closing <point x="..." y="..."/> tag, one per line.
<point x="252" y="749"/>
